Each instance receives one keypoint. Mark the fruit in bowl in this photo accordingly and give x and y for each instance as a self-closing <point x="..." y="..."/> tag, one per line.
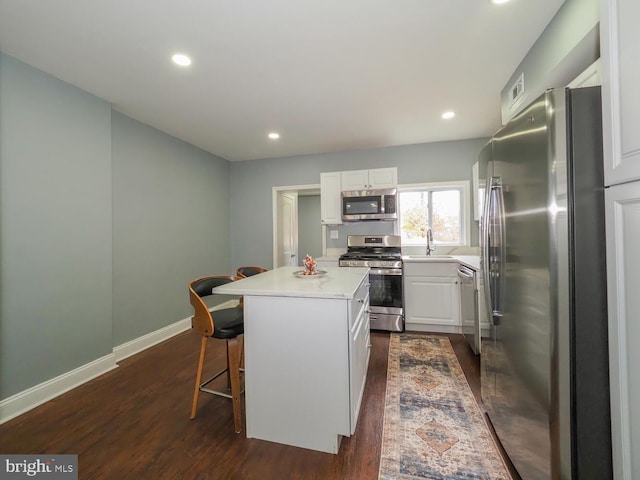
<point x="309" y="266"/>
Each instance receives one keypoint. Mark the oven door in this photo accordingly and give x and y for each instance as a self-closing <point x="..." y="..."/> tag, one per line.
<point x="385" y="299"/>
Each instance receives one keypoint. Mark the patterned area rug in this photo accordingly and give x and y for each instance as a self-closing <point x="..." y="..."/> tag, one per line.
<point x="433" y="427"/>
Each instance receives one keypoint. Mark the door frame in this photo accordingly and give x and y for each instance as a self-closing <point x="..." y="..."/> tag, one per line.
<point x="275" y="192"/>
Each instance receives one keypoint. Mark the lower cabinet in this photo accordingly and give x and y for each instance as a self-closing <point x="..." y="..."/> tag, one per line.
<point x="622" y="204"/>
<point x="431" y="298"/>
<point x="306" y="364"/>
<point x="359" y="352"/>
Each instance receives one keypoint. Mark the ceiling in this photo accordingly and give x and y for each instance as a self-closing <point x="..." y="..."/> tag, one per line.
<point x="328" y="75"/>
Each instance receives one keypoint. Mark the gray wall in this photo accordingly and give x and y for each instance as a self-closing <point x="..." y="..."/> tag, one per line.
<point x="103" y="222"/>
<point x="55" y="227"/>
<point x="568" y="45"/>
<point x="252" y="182"/>
<point x="309" y="227"/>
<point x="170" y="225"/>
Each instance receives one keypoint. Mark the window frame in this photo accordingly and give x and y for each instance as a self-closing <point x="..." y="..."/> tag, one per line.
<point x="465" y="207"/>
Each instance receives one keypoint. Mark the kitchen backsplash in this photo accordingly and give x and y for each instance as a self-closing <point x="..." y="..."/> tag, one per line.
<point x="356" y="228"/>
<point x="339" y="245"/>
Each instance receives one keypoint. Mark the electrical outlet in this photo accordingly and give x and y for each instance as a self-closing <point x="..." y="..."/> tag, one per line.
<point x="334" y="234"/>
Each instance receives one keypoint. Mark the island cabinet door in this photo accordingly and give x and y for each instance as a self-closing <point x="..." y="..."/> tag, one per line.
<point x="359" y="350"/>
<point x="297" y="370"/>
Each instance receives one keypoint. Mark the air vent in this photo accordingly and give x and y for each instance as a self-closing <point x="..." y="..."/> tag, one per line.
<point x="517" y="89"/>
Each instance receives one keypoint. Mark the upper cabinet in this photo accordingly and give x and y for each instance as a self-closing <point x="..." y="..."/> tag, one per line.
<point x="330" y="207"/>
<point x="370" y="179"/>
<point x="333" y="183"/>
<point x="620" y="47"/>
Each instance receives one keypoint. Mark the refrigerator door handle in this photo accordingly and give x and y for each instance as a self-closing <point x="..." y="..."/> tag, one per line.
<point x="495" y="249"/>
<point x="486" y="248"/>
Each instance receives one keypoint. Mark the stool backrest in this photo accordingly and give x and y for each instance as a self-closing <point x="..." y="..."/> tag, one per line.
<point x="249" y="271"/>
<point x="202" y="320"/>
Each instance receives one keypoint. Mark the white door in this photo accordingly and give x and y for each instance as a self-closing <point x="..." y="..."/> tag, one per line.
<point x="288" y="238"/>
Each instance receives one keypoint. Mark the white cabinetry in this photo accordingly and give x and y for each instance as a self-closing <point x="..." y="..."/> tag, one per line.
<point x="333" y="183"/>
<point x="359" y="350"/>
<point x="306" y="362"/>
<point x="623" y="265"/>
<point x="620" y="50"/>
<point x="431" y="298"/>
<point x="370" y="179"/>
<point x="330" y="207"/>
<point x="620" y="38"/>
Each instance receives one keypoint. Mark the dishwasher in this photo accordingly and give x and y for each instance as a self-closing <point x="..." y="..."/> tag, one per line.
<point x="469" y="307"/>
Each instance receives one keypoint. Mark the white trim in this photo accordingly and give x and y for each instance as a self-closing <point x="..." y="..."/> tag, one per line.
<point x="274" y="212"/>
<point x="28" y="399"/>
<point x="139" y="344"/>
<point x="590" y="77"/>
<point x="430" y="328"/>
<point x="467" y="211"/>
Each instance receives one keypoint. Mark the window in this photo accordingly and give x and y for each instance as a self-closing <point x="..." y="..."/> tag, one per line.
<point x="439" y="206"/>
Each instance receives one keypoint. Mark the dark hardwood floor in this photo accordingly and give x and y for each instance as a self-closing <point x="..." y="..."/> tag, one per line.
<point x="133" y="422"/>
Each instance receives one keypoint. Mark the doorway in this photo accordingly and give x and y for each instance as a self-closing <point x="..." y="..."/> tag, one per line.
<point x="290" y="213"/>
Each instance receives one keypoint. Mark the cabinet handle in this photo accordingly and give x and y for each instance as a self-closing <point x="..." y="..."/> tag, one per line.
<point x="361" y="300"/>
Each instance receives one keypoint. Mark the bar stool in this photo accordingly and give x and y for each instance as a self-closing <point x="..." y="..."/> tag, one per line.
<point x="249" y="271"/>
<point x="226" y="324"/>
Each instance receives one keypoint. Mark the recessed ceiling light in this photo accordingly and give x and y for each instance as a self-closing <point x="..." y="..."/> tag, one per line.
<point x="182" y="60"/>
<point x="274" y="136"/>
<point x="498" y="2"/>
<point x="447" y="115"/>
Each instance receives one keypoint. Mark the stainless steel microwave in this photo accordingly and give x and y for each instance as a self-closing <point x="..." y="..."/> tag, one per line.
<point x="370" y="205"/>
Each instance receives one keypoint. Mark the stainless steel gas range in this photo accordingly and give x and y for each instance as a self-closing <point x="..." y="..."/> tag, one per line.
<point x="382" y="254"/>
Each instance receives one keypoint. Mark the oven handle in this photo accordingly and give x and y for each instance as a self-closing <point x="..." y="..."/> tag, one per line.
<point x="385" y="271"/>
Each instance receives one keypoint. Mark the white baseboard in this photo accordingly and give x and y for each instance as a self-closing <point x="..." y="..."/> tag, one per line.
<point x="150" y="339"/>
<point x="139" y="344"/>
<point x="28" y="399"/>
<point x="418" y="327"/>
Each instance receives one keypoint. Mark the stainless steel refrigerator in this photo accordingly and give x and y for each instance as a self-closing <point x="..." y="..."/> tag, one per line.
<point x="544" y="367"/>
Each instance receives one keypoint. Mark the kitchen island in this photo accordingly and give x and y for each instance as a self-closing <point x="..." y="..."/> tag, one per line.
<point x="306" y="354"/>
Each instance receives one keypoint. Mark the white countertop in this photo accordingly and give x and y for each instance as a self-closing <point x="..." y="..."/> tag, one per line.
<point x="339" y="282"/>
<point x="328" y="258"/>
<point x="471" y="261"/>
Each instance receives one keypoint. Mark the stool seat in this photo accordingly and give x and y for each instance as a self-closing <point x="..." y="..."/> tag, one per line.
<point x="229" y="323"/>
<point x="225" y="324"/>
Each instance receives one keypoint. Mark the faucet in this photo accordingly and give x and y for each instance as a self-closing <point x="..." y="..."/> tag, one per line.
<point x="430" y="246"/>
